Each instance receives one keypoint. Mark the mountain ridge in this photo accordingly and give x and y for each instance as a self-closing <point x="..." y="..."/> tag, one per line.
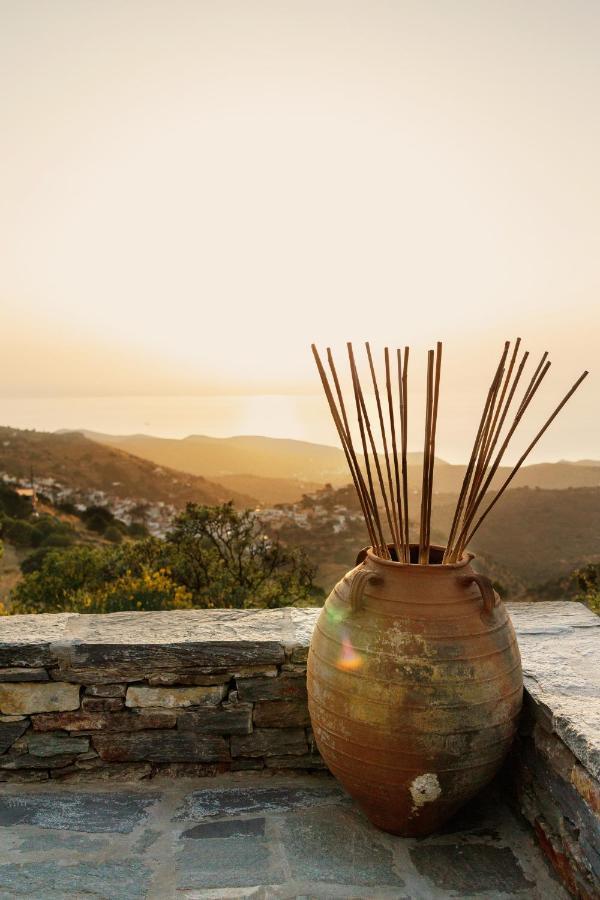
<point x="301" y="462"/>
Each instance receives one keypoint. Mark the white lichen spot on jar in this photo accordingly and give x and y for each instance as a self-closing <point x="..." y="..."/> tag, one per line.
<point x="425" y="789"/>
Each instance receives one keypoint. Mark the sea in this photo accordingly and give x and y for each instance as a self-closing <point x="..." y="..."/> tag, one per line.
<point x="296" y="416"/>
<point x="299" y="417"/>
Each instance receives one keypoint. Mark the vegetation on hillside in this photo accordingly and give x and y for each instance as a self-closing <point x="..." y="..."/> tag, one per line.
<point x="214" y="557"/>
<point x="537" y="544"/>
<point x="21" y="527"/>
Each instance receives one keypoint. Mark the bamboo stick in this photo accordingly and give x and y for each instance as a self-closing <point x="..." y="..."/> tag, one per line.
<point x="494" y="431"/>
<point x="373" y="447"/>
<point x="423" y="559"/>
<point x="484" y="461"/>
<point x="466" y="483"/>
<point x="436" y="397"/>
<point x="390" y="398"/>
<point x="491" y="471"/>
<point x="392" y="516"/>
<point x="509" y="399"/>
<point x="479" y="468"/>
<point x="344" y="441"/>
<point x="534" y="377"/>
<point x="403" y="390"/>
<point x="360" y="408"/>
<point x="516" y="468"/>
<point x="530" y="394"/>
<point x="360" y="486"/>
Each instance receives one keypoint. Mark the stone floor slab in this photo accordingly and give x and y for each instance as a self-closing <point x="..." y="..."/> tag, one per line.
<point x="227" y="828"/>
<point x="251" y="835"/>
<point x="337" y="845"/>
<point x="227" y="862"/>
<point x="119" y="811"/>
<point x="122" y="879"/>
<point x="470" y="869"/>
<point x="234" y="801"/>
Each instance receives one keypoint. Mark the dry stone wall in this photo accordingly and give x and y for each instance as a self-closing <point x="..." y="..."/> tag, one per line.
<point x="133" y="695"/>
<point x="554" y="769"/>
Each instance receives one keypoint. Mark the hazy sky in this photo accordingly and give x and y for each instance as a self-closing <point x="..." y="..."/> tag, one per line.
<point x="191" y="192"/>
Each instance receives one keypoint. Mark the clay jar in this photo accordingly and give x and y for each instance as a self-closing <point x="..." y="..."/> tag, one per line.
<point x="414" y="686"/>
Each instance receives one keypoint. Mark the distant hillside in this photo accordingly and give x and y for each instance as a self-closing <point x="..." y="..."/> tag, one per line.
<point x="583" y="462"/>
<point x="73" y="460"/>
<point x="550" y="476"/>
<point x="531" y="538"/>
<point x="257" y="456"/>
<point x="269" y="491"/>
<point x="534" y="536"/>
<point x="300" y="461"/>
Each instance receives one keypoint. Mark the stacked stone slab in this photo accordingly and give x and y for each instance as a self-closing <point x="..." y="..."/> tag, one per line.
<point x="134" y="695"/>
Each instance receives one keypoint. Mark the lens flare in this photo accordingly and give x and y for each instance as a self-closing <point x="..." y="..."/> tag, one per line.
<point x="336" y="614"/>
<point x="349" y="658"/>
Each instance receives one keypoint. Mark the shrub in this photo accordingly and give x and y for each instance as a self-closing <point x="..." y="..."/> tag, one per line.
<point x="33" y="561"/>
<point x="61" y="575"/>
<point x="51" y="532"/>
<point x="95" y="523"/>
<point x="587" y="581"/>
<point x="97" y="518"/>
<point x="20" y="533"/>
<point x="137" y="530"/>
<point x="147" y="591"/>
<point x="57" y="539"/>
<point x="113" y="534"/>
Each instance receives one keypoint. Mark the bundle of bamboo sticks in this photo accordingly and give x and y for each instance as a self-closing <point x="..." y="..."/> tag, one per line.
<point x="380" y="475"/>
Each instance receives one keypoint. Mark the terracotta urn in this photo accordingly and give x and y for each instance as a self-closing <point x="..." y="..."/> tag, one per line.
<point x="414" y="686"/>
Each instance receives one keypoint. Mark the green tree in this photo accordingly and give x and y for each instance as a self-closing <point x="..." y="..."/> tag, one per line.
<point x="224" y="558"/>
<point x="212" y="557"/>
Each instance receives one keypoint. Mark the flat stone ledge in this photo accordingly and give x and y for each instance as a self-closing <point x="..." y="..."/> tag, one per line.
<point x="28" y="640"/>
<point x="157" y="640"/>
<point x="560" y="651"/>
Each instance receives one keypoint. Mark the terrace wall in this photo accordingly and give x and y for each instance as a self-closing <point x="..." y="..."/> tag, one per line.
<point x="133" y="695"/>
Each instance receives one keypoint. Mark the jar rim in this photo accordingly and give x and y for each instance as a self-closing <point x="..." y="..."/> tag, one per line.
<point x="368" y="552"/>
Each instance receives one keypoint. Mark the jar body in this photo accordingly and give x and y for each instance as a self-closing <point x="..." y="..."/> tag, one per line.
<point x="415" y="687"/>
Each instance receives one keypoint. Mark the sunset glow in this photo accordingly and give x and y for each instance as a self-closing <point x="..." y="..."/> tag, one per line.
<point x="194" y="191"/>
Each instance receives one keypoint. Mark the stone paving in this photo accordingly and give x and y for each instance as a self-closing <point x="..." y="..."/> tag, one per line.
<point x="250" y="836"/>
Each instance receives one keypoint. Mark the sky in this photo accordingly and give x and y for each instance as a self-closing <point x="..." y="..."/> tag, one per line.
<point x="191" y="192"/>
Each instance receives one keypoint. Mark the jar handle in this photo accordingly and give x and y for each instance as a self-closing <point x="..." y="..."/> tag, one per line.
<point x="488" y="594"/>
<point x="362" y="577"/>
